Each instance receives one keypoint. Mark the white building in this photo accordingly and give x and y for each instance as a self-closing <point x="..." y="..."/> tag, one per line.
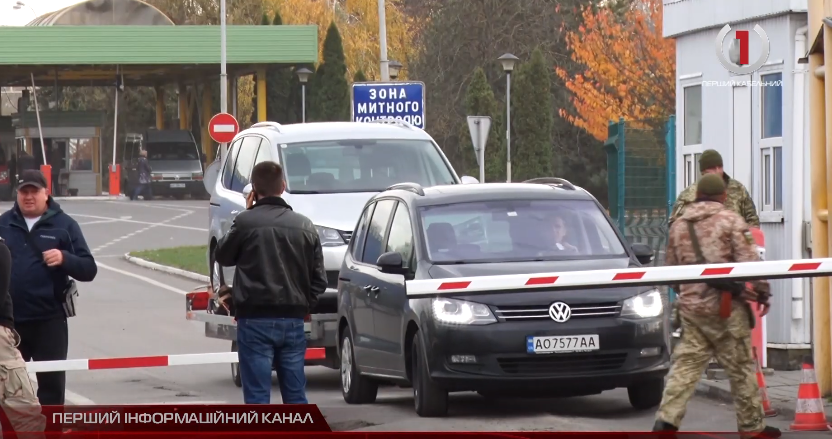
<point x="759" y="129"/>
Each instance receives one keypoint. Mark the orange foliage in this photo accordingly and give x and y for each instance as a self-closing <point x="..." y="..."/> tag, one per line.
<point x="630" y="69"/>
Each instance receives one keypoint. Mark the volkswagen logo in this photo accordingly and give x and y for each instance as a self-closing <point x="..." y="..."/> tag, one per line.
<point x="560" y="312"/>
<point x="176" y="177"/>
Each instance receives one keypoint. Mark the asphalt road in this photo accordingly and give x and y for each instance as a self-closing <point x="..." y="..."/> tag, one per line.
<point x="131" y="311"/>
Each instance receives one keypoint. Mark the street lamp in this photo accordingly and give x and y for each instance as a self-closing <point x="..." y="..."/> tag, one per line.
<point x="508" y="60"/>
<point x="393" y="68"/>
<point x="303" y="76"/>
<point x="20" y="5"/>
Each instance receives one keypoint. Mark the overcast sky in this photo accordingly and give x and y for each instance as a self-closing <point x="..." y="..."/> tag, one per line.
<point x="34" y="8"/>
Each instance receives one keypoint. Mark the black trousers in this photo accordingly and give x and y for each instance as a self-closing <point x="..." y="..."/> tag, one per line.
<point x="46" y="340"/>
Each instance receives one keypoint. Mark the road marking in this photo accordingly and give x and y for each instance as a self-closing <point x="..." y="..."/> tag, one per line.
<point x="187" y="206"/>
<point x="130" y="235"/>
<point x="140" y="222"/>
<point x="97" y="222"/>
<point x="155" y="206"/>
<point x="71" y="397"/>
<point x="142" y="278"/>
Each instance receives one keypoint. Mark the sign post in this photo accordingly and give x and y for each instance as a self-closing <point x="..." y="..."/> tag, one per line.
<point x="223" y="127"/>
<point x="479" y="127"/>
<point x="389" y="100"/>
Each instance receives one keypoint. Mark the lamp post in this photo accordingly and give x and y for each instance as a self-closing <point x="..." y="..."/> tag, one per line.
<point x="223" y="76"/>
<point x="20" y="5"/>
<point x="394" y="67"/>
<point x="303" y="77"/>
<point x="508" y="60"/>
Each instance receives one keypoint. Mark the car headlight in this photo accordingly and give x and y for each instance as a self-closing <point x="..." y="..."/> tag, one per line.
<point x="461" y="312"/>
<point x="644" y="305"/>
<point x="329" y="237"/>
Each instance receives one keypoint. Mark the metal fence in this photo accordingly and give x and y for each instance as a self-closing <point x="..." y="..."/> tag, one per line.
<point x="641" y="180"/>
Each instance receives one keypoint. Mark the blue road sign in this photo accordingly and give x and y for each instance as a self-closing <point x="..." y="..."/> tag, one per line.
<point x="389" y="100"/>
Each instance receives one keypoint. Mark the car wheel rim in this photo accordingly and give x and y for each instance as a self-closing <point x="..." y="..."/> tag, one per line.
<point x="346" y="366"/>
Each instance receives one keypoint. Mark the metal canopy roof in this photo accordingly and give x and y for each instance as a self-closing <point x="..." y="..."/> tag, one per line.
<point x="148" y="55"/>
<point x="104" y="12"/>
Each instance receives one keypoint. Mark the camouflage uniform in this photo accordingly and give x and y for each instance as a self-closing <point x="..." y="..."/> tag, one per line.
<point x="739" y="201"/>
<point x="723" y="237"/>
<point x="17" y="396"/>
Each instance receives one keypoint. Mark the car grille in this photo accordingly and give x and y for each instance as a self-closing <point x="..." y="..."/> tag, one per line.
<point x="332" y="279"/>
<point x="346" y="235"/>
<point x="562" y="363"/>
<point x="516" y="313"/>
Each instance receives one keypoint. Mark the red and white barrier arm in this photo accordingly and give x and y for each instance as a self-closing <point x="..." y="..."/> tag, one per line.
<point x="154" y="361"/>
<point x="625" y="277"/>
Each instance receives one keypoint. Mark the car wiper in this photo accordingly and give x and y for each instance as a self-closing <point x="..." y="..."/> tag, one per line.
<point x="303" y="192"/>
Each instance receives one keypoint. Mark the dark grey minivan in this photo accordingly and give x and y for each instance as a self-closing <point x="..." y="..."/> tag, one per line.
<point x="176" y="160"/>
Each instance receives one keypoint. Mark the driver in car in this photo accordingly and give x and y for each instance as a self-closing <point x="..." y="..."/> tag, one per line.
<point x="559" y="231"/>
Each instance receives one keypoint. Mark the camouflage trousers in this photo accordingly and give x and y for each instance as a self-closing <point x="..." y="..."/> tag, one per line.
<point x="18" y="400"/>
<point x="729" y="340"/>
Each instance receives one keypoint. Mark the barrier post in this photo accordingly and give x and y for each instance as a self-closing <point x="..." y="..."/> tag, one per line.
<point x="47" y="174"/>
<point x="758" y="334"/>
<point x="115" y="179"/>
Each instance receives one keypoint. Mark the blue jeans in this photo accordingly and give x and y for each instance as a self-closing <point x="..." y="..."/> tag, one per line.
<point x="264" y="343"/>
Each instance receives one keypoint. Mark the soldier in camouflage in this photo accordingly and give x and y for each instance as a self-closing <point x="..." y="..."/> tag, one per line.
<point x="738" y="200"/>
<point x="710" y="232"/>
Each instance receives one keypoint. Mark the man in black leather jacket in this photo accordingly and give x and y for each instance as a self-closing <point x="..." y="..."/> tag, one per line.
<point x="278" y="277"/>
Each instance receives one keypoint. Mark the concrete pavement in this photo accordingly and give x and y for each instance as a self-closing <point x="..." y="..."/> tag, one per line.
<point x="133" y="311"/>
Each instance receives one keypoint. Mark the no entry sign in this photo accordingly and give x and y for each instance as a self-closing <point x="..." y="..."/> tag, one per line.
<point x="223" y="127"/>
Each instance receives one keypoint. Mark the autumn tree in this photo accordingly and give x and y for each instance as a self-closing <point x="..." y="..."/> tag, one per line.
<point x="280" y="89"/>
<point x="531" y="121"/>
<point x="480" y="101"/>
<point x="329" y="87"/>
<point x="629" y="68"/>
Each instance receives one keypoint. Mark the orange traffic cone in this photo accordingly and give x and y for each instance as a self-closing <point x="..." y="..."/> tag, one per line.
<point x="761" y="381"/>
<point x="809" y="413"/>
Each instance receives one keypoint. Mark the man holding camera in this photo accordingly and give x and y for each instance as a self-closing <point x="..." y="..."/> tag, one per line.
<point x="278" y="277"/>
<point x="716" y="318"/>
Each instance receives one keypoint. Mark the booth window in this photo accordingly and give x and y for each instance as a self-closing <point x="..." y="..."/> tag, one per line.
<point x="771" y="142"/>
<point x="80" y="154"/>
<point x="693" y="115"/>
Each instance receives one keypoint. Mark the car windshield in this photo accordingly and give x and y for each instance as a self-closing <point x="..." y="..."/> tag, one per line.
<point x="362" y="165"/>
<point x="518" y="230"/>
<point x="172" y="151"/>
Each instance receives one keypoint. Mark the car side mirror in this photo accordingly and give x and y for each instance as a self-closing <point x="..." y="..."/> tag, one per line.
<point x="391" y="262"/>
<point x="467" y="179"/>
<point x="644" y="253"/>
<point x="247" y="190"/>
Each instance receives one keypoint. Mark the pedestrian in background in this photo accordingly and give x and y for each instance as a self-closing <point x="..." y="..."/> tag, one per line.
<point x="143" y="170"/>
<point x="714" y="322"/>
<point x="737" y="199"/>
<point x="17" y="396"/>
<point x="278" y="277"/>
<point x="49" y="249"/>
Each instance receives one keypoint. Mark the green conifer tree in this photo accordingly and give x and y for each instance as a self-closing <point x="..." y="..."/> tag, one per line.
<point x="359" y="76"/>
<point x="329" y="87"/>
<point x="279" y="101"/>
<point x="531" y="120"/>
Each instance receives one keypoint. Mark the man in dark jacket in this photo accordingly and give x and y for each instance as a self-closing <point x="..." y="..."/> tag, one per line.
<point x="278" y="277"/>
<point x="48" y="248"/>
<point x="144" y="171"/>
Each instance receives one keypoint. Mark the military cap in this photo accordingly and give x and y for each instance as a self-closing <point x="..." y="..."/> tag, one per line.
<point x="710" y="158"/>
<point x="710" y="185"/>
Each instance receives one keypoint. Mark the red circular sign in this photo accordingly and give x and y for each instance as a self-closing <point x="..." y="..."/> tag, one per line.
<point x="223" y="127"/>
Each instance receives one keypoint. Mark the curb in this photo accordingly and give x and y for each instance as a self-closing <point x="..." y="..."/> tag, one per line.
<point x="165" y="269"/>
<point x="711" y="389"/>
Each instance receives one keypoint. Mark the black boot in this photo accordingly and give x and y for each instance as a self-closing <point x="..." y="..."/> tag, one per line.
<point x="768" y="432"/>
<point x="664" y="426"/>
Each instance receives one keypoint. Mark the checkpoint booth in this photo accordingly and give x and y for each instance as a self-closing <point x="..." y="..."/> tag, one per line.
<point x="72" y="142"/>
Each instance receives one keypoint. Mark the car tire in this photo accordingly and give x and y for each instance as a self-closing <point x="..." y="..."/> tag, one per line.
<point x="646" y="394"/>
<point x="429" y="399"/>
<point x="235" y="368"/>
<point x="355" y="388"/>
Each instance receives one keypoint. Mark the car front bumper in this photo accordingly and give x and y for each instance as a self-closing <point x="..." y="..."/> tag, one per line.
<point x="494" y="357"/>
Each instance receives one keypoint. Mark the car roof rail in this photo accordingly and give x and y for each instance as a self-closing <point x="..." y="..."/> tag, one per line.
<point x="553" y="181"/>
<point x="398" y="122"/>
<point x="276" y="126"/>
<point x="416" y="188"/>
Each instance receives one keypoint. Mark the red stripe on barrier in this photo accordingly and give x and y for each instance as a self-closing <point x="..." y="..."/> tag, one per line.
<point x="630" y="276"/>
<point x="716" y="271"/>
<point x="542" y="280"/>
<point x="805" y="266"/>
<point x="315" y="354"/>
<point x="454" y="285"/>
<point x="124" y="363"/>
